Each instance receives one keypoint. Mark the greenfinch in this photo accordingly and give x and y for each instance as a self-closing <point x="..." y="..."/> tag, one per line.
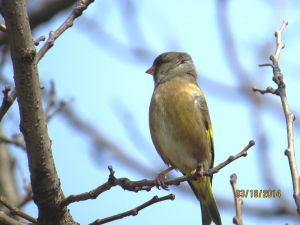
<point x="180" y="126"/>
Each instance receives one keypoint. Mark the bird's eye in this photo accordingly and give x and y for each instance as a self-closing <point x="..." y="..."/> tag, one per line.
<point x="182" y="61"/>
<point x="159" y="62"/>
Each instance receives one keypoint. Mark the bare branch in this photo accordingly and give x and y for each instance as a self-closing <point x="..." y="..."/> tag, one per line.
<point x="229" y="160"/>
<point x="77" y="11"/>
<point x="15" y="211"/>
<point x="15" y="141"/>
<point x="18" y="140"/>
<point x="6" y="220"/>
<point x="8" y="100"/>
<point x="37" y="41"/>
<point x="52" y="94"/>
<point x="26" y="185"/>
<point x="6" y="90"/>
<point x="45" y="183"/>
<point x="268" y="90"/>
<point x="133" y="212"/>
<point x="52" y="101"/>
<point x="22" y="200"/>
<point x="142" y="185"/>
<point x="80" y="7"/>
<point x="42" y="12"/>
<point x="278" y="79"/>
<point x="238" y="201"/>
<point x="61" y="106"/>
<point x="280" y="45"/>
<point x="245" y="79"/>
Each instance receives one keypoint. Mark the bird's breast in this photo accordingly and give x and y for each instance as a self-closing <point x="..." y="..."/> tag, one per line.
<point x="176" y="125"/>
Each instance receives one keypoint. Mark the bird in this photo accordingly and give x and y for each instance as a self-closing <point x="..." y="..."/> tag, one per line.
<point x="181" y="128"/>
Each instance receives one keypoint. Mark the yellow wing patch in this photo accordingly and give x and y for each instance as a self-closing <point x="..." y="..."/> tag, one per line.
<point x="209" y="134"/>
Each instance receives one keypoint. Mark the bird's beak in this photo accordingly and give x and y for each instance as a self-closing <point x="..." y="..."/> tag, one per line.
<point x="151" y="70"/>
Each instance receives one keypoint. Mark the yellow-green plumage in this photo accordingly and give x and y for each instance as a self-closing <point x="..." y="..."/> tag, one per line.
<point x="180" y="124"/>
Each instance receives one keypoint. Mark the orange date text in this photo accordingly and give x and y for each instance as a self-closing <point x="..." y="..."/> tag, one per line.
<point x="257" y="193"/>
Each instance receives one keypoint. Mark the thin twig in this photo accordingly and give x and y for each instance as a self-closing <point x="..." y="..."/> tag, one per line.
<point x="26" y="185"/>
<point x="268" y="90"/>
<point x="280" y="44"/>
<point x="61" y="106"/>
<point x="14" y="141"/>
<point x="229" y="160"/>
<point x="37" y="41"/>
<point x="18" y="140"/>
<point x="52" y="94"/>
<point x="15" y="211"/>
<point x="133" y="212"/>
<point x="278" y="79"/>
<point x="238" y="220"/>
<point x="145" y="185"/>
<point x="77" y="11"/>
<point x="241" y="74"/>
<point x="5" y="219"/>
<point x="8" y="100"/>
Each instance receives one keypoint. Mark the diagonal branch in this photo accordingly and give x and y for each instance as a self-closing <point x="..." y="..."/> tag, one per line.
<point x="6" y="220"/>
<point x="77" y="11"/>
<point x="15" y="211"/>
<point x="133" y="212"/>
<point x="42" y="12"/>
<point x="16" y="141"/>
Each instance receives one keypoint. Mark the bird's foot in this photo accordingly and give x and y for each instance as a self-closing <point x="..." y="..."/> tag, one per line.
<point x="198" y="172"/>
<point x="159" y="180"/>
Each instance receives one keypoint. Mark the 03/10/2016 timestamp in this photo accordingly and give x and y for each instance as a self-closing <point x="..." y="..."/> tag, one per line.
<point x="257" y="193"/>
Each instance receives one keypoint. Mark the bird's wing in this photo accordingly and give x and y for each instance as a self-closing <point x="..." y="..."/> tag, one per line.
<point x="202" y="106"/>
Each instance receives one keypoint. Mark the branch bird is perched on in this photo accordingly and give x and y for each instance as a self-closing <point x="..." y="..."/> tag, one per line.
<point x="180" y="126"/>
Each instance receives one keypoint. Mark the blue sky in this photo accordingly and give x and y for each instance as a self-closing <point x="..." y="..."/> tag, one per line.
<point x="107" y="80"/>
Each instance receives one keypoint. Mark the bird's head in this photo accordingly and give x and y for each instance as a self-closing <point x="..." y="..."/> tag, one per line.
<point x="173" y="66"/>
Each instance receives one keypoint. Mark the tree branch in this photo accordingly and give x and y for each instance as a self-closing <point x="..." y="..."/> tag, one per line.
<point x="43" y="12"/>
<point x="278" y="79"/>
<point x="145" y="185"/>
<point x="6" y="220"/>
<point x="51" y="101"/>
<point x="62" y="104"/>
<point x="15" y="211"/>
<point x="8" y="100"/>
<point x="133" y="212"/>
<point x="37" y="41"/>
<point x="77" y="11"/>
<point x="14" y="141"/>
<point x="44" y="179"/>
<point x="238" y="220"/>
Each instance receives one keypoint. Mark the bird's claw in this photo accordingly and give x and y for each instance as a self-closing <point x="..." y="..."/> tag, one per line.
<point x="159" y="182"/>
<point x="198" y="172"/>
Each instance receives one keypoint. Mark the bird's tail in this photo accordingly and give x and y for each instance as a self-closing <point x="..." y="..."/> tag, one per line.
<point x="209" y="208"/>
